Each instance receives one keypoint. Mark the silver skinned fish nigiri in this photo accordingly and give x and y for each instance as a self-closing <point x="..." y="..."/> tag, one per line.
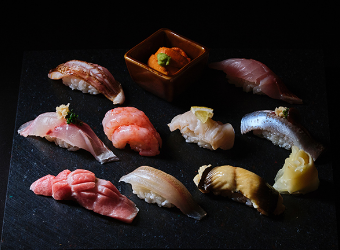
<point x="280" y="131"/>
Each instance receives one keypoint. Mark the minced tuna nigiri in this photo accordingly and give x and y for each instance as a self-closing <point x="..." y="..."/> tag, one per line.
<point x="128" y="125"/>
<point x="55" y="127"/>
<point x="89" y="78"/>
<point x="95" y="194"/>
<point x="254" y="75"/>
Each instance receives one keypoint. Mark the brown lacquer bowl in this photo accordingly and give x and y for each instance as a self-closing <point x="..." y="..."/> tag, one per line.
<point x="164" y="86"/>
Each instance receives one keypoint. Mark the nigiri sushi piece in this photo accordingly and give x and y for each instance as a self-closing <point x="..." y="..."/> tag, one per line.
<point x="298" y="174"/>
<point x="254" y="75"/>
<point x="89" y="78"/>
<point x="129" y="125"/>
<point x="63" y="128"/>
<point x="209" y="134"/>
<point x="95" y="194"/>
<point x="156" y="186"/>
<point x="281" y="131"/>
<point x="240" y="185"/>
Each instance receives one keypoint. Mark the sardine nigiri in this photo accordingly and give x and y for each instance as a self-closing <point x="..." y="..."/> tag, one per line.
<point x="281" y="132"/>
<point x="156" y="186"/>
<point x="254" y="75"/>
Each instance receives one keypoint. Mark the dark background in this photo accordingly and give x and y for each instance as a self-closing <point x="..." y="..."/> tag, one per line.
<point x="99" y="26"/>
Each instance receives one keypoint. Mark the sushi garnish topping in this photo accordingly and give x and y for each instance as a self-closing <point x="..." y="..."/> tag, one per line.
<point x="71" y="117"/>
<point x="64" y="112"/>
<point x="282" y="112"/>
<point x="202" y="113"/>
<point x="163" y="59"/>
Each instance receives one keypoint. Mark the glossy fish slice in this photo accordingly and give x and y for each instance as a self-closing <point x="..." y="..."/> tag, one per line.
<point x="128" y="125"/>
<point x="240" y="185"/>
<point x="254" y="75"/>
<point x="280" y="131"/>
<point x="95" y="194"/>
<point x="156" y="186"/>
<point x="70" y="136"/>
<point x="89" y="78"/>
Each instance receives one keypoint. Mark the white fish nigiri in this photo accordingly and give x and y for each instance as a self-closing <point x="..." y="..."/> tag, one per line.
<point x="254" y="75"/>
<point x="156" y="186"/>
<point x="54" y="127"/>
<point x="89" y="78"/>
<point x="211" y="134"/>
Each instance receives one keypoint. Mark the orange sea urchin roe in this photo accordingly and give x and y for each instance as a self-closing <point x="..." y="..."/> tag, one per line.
<point x="178" y="59"/>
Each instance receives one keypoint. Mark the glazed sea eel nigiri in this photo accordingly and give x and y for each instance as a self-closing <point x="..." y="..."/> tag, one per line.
<point x="95" y="194"/>
<point x="128" y="125"/>
<point x="156" y="186"/>
<point x="89" y="78"/>
<point x="281" y="131"/>
<point x="240" y="185"/>
<point x="54" y="127"/>
<point x="254" y="75"/>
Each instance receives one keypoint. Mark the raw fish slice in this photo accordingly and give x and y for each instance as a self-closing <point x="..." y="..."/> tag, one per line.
<point x="70" y="136"/>
<point x="211" y="135"/>
<point x="280" y="131"/>
<point x="139" y="138"/>
<point x="124" y="125"/>
<point x="254" y="75"/>
<point x="163" y="187"/>
<point x="240" y="185"/>
<point x="94" y="194"/>
<point x="89" y="78"/>
<point x="124" y="116"/>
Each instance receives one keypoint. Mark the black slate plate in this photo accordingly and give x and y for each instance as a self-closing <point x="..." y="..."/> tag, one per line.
<point x="32" y="221"/>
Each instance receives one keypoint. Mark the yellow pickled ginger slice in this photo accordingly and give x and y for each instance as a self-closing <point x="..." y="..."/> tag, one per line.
<point x="298" y="175"/>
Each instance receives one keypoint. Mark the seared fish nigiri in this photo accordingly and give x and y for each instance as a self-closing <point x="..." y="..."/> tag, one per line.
<point x="209" y="134"/>
<point x="95" y="194"/>
<point x="240" y="185"/>
<point x="156" y="186"/>
<point x="254" y="75"/>
<point x="280" y="131"/>
<point x="89" y="78"/>
<point x="67" y="132"/>
<point x="298" y="175"/>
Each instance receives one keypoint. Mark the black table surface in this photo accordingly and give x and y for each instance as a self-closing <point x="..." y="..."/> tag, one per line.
<point x="37" y="222"/>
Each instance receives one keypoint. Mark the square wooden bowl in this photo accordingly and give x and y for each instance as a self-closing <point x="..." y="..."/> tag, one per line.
<point x="164" y="86"/>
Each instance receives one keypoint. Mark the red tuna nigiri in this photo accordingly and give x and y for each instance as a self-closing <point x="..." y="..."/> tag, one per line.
<point x="54" y="127"/>
<point x="254" y="75"/>
<point x="95" y="194"/>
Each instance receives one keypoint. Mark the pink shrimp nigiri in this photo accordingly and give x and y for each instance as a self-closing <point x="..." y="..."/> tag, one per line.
<point x="95" y="194"/>
<point x="128" y="125"/>
<point x="254" y="75"/>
